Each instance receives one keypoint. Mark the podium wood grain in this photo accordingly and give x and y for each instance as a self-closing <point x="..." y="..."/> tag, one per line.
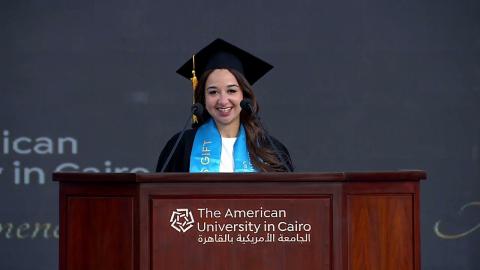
<point x="365" y="220"/>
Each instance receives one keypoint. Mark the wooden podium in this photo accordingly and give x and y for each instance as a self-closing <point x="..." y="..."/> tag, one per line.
<point x="351" y="220"/>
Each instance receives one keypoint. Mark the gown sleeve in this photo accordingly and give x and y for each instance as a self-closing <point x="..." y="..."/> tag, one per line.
<point x="180" y="161"/>
<point x="283" y="152"/>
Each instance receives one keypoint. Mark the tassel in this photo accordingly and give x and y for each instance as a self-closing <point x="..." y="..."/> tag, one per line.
<point x="194" y="86"/>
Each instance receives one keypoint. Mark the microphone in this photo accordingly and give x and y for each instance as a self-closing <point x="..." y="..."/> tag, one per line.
<point x="246" y="105"/>
<point x="197" y="110"/>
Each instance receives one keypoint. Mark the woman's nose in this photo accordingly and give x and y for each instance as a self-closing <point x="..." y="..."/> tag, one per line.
<point x="223" y="99"/>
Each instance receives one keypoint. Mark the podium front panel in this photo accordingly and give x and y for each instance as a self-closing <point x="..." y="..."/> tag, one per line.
<point x="241" y="232"/>
<point x="99" y="233"/>
<point x="380" y="231"/>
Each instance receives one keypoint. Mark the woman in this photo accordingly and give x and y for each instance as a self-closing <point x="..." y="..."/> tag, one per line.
<point x="226" y="138"/>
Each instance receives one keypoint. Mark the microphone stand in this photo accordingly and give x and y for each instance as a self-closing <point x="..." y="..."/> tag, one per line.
<point x="197" y="109"/>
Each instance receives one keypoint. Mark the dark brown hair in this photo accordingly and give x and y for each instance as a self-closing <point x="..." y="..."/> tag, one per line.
<point x="261" y="154"/>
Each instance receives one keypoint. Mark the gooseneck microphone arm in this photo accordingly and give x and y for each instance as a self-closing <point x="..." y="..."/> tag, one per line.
<point x="197" y="109"/>
<point x="246" y="105"/>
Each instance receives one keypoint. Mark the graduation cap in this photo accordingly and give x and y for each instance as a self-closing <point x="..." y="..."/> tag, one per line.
<point x="221" y="54"/>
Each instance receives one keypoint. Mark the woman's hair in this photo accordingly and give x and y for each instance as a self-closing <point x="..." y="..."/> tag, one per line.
<point x="262" y="158"/>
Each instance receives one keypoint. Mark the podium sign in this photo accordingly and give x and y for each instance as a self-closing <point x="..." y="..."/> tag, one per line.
<point x="284" y="232"/>
<point x="240" y="221"/>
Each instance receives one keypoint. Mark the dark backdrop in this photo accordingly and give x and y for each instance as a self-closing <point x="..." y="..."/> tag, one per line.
<point x="357" y="85"/>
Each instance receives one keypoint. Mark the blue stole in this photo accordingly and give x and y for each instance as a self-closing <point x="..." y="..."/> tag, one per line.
<point x="207" y="150"/>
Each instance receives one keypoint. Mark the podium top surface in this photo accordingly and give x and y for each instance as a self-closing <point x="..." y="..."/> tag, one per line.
<point x="369" y="176"/>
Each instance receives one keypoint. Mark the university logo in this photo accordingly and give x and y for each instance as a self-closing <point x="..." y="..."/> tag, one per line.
<point x="182" y="220"/>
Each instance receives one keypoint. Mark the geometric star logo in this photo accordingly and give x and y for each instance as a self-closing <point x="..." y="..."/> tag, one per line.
<point x="182" y="219"/>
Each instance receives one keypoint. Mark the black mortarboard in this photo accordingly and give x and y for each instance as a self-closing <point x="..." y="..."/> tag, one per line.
<point x="221" y="54"/>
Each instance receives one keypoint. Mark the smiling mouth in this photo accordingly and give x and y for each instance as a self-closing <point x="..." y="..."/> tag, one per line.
<point x="225" y="109"/>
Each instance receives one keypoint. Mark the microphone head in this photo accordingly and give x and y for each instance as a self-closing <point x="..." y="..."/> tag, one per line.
<point x="246" y="105"/>
<point x="197" y="109"/>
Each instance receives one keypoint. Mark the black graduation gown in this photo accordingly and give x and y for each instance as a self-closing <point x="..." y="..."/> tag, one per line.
<point x="180" y="161"/>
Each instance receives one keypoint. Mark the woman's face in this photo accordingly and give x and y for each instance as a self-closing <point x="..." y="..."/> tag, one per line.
<point x="222" y="98"/>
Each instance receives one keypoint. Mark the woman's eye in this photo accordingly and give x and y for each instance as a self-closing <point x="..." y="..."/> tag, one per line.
<point x="212" y="92"/>
<point x="232" y="91"/>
